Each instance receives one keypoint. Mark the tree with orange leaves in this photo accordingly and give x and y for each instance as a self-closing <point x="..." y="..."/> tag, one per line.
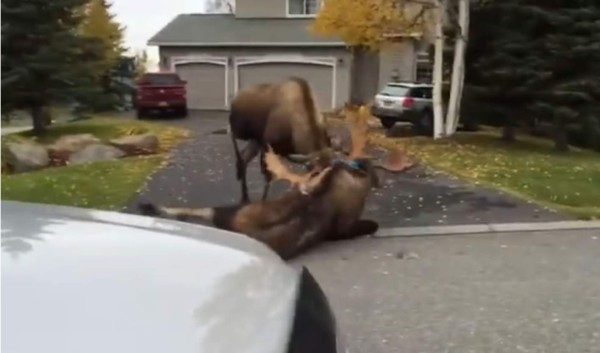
<point x="366" y="26"/>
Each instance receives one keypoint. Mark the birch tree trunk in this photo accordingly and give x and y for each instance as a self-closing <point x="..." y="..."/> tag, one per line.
<point x="458" y="69"/>
<point x="438" y="64"/>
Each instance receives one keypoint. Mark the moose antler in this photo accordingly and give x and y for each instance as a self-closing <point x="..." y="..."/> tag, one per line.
<point x="359" y="133"/>
<point x="306" y="182"/>
<point x="398" y="161"/>
<point x="280" y="170"/>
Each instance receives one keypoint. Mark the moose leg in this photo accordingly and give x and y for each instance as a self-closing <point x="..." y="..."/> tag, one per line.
<point x="241" y="162"/>
<point x="266" y="174"/>
<point x="360" y="228"/>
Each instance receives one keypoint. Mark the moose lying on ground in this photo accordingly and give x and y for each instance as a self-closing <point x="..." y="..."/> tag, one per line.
<point x="282" y="115"/>
<point x="325" y="203"/>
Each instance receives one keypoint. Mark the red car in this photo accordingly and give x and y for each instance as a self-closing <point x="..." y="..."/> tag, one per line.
<point x="162" y="91"/>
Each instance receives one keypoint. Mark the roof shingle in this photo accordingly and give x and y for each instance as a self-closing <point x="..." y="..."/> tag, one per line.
<point x="227" y="30"/>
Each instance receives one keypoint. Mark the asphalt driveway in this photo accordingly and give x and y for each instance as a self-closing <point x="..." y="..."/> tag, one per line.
<point x="201" y="173"/>
<point x="503" y="293"/>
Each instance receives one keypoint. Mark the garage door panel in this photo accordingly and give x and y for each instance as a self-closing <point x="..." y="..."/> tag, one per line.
<point x="319" y="77"/>
<point x="205" y="85"/>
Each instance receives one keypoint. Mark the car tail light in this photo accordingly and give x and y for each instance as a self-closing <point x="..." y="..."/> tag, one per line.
<point x="408" y="102"/>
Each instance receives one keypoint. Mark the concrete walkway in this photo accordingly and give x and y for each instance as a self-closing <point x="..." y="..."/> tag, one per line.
<point x="504" y="293"/>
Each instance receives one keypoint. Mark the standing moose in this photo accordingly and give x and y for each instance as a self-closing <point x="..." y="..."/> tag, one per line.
<point x="282" y="115"/>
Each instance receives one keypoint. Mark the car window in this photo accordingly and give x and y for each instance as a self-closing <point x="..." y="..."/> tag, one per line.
<point x="161" y="79"/>
<point x="420" y="92"/>
<point x="416" y="93"/>
<point x="427" y="92"/>
<point x="395" y="91"/>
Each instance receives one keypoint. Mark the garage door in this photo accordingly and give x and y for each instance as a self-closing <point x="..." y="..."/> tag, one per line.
<point x="205" y="85"/>
<point x="318" y="76"/>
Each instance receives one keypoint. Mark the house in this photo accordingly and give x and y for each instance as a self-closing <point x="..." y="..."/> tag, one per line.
<point x="267" y="41"/>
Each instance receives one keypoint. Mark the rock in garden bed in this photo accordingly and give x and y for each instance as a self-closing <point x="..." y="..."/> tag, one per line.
<point x="73" y="143"/>
<point x="137" y="144"/>
<point x="95" y="153"/>
<point x="25" y="156"/>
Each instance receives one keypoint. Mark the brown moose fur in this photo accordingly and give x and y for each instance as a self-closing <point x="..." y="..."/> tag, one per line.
<point x="282" y="115"/>
<point x="295" y="221"/>
<point x="324" y="204"/>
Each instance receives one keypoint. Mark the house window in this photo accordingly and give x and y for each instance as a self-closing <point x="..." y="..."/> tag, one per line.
<point x="303" y="7"/>
<point x="424" y="70"/>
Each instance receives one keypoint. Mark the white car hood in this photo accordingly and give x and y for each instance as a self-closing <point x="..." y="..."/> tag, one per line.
<point x="77" y="281"/>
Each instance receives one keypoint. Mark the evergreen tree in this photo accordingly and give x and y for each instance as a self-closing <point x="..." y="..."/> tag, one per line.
<point x="99" y="24"/>
<point x="44" y="60"/>
<point x="537" y="59"/>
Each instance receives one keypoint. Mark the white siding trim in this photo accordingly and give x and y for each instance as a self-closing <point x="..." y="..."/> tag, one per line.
<point x="214" y="60"/>
<point x="294" y="59"/>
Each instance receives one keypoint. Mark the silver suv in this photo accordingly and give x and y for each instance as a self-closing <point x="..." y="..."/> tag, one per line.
<point x="406" y="102"/>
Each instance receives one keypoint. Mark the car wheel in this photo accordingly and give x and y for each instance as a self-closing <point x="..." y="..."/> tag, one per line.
<point x="183" y="113"/>
<point x="425" y="123"/>
<point x="141" y="113"/>
<point x="387" y="123"/>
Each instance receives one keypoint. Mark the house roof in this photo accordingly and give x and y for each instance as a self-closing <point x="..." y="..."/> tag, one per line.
<point x="227" y="30"/>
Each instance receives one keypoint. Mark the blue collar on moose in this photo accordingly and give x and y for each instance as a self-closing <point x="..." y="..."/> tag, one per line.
<point x="354" y="164"/>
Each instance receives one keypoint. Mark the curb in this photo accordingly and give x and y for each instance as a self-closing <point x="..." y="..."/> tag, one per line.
<point x="485" y="228"/>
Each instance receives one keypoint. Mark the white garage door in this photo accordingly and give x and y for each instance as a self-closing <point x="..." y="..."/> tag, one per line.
<point x="205" y="85"/>
<point x="319" y="77"/>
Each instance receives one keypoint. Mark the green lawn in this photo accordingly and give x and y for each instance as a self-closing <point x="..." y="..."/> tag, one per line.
<point x="101" y="185"/>
<point x="528" y="168"/>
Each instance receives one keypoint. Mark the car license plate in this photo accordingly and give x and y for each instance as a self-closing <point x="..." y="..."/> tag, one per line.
<point x="163" y="104"/>
<point x="388" y="102"/>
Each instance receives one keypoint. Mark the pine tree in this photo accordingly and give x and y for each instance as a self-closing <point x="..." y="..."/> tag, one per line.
<point x="537" y="59"/>
<point x="44" y="60"/>
<point x="100" y="23"/>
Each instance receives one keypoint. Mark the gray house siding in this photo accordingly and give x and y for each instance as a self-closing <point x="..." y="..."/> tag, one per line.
<point x="399" y="57"/>
<point x="342" y="64"/>
<point x="260" y="8"/>
<point x="268" y="8"/>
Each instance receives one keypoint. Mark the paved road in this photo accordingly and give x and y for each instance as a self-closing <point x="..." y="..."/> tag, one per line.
<point x="503" y="293"/>
<point x="202" y="170"/>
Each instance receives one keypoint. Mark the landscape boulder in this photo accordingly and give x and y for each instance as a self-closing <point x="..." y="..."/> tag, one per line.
<point x="137" y="144"/>
<point x="94" y="153"/>
<point x="25" y="156"/>
<point x="72" y="143"/>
